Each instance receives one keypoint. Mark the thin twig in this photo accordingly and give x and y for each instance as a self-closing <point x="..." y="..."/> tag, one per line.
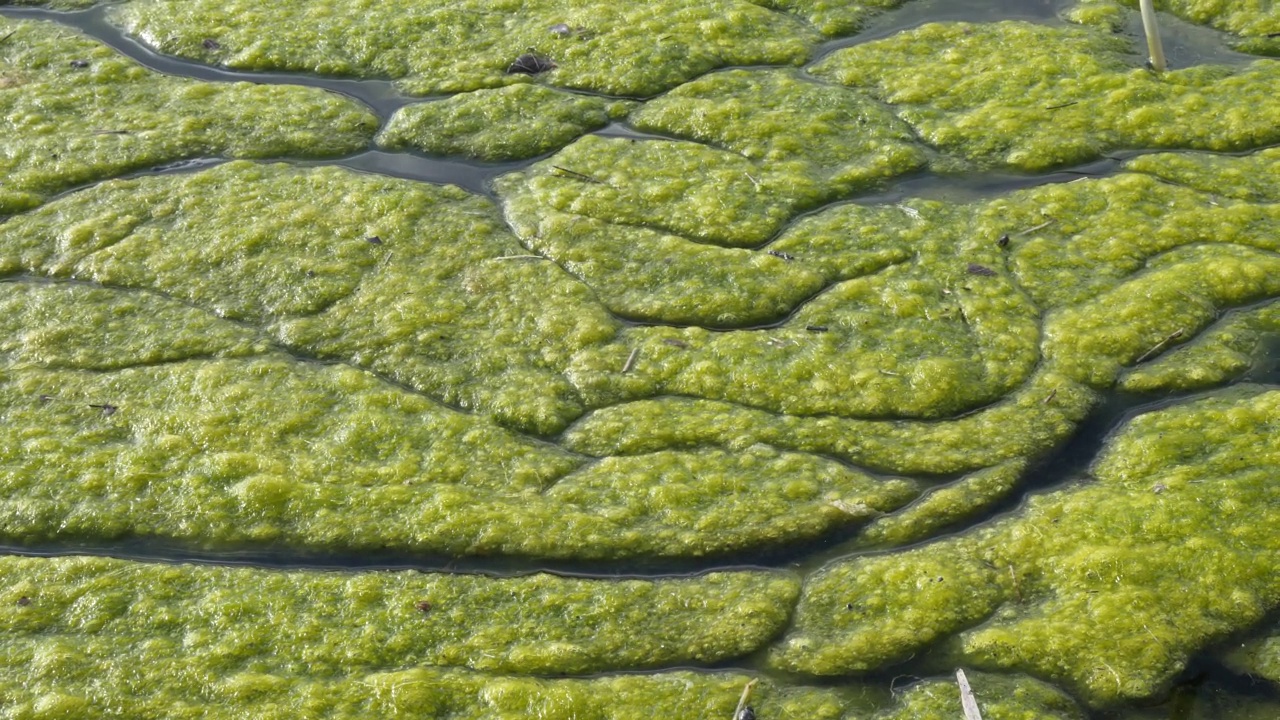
<point x="742" y="702"/>
<point x="1030" y="230"/>
<point x="519" y="257"/>
<point x="631" y="361"/>
<point x="1160" y="345"/>
<point x="1066" y="104"/>
<point x="967" y="701"/>
<point x="580" y="176"/>
<point x="6" y="37"/>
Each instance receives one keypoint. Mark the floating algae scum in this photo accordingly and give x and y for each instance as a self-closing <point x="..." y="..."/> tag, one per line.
<point x="815" y="348"/>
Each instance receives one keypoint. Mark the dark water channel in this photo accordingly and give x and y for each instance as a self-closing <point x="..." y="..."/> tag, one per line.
<point x="1206" y="690"/>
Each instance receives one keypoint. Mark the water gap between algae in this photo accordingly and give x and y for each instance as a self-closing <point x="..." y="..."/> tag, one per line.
<point x="1067" y="462"/>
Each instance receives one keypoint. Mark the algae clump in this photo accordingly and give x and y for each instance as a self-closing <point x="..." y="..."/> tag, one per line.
<point x="1181" y="506"/>
<point x="169" y="422"/>
<point x="403" y="278"/>
<point x="1074" y="94"/>
<point x="436" y="47"/>
<point x="510" y="123"/>
<point x="77" y="111"/>
<point x="93" y="636"/>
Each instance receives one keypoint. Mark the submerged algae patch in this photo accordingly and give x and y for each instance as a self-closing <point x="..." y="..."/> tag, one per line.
<point x="511" y="123"/>
<point x="433" y="47"/>
<point x="102" y="633"/>
<point x="1074" y="94"/>
<point x="77" y="111"/>
<point x="1259" y="656"/>
<point x="1075" y="587"/>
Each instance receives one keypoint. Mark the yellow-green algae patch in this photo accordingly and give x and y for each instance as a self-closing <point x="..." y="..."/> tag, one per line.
<point x="45" y="325"/>
<point x="1223" y="353"/>
<point x="780" y="120"/>
<point x="944" y="506"/>
<point x="832" y="17"/>
<point x="920" y="325"/>
<point x="96" y="637"/>
<point x="76" y="111"/>
<point x="1121" y="271"/>
<point x="660" y="228"/>
<point x="1028" y="423"/>
<point x="412" y="280"/>
<point x="1074" y="94"/>
<point x="1244" y="178"/>
<point x="766" y="145"/>
<point x="510" y="123"/>
<point x="1107" y="586"/>
<point x="697" y="192"/>
<point x="233" y="451"/>
<point x="224" y="453"/>
<point x="148" y="449"/>
<point x="304" y="622"/>
<point x="649" y="272"/>
<point x="438" y="46"/>
<point x="999" y="697"/>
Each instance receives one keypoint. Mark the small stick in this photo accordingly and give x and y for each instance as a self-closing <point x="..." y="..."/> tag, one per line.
<point x="967" y="701"/>
<point x="631" y="361"/>
<point x="742" y="702"/>
<point x="519" y="257"/>
<point x="1160" y="345"/>
<point x="6" y="37"/>
<point x="1041" y="226"/>
<point x="578" y="175"/>
<point x="1066" y="104"/>
<point x="1148" y="9"/>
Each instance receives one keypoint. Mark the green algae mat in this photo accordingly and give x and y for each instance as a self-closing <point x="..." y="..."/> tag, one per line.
<point x="787" y="356"/>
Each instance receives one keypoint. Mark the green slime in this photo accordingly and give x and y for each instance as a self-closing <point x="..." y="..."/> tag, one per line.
<point x="67" y="125"/>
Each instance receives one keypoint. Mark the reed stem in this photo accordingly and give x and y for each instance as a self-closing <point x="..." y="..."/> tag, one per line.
<point x="1154" y="47"/>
